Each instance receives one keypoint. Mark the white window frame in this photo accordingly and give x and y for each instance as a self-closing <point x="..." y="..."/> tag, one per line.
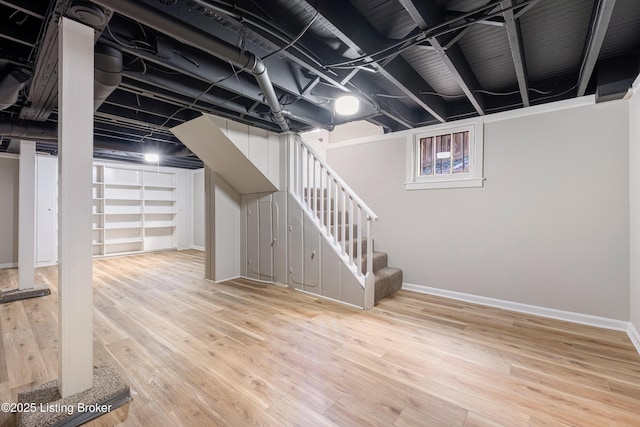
<point x="473" y="178"/>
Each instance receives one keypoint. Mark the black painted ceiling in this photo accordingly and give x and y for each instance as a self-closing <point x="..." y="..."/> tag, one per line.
<point x="411" y="62"/>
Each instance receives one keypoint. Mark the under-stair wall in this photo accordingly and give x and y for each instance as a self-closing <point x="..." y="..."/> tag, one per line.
<point x="282" y="244"/>
<point x="263" y="235"/>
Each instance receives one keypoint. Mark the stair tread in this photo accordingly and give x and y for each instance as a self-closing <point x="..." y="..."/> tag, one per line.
<point x="387" y="272"/>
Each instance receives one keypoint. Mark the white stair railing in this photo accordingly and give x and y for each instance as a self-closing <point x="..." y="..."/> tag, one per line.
<point x="336" y="209"/>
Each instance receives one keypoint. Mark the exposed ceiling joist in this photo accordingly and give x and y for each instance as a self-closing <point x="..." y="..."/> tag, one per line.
<point x="357" y="33"/>
<point x="515" y="42"/>
<point x="426" y="14"/>
<point x="600" y="18"/>
<point x="22" y="9"/>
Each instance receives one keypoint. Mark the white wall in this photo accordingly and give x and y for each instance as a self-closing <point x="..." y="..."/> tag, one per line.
<point x="198" y="209"/>
<point x="353" y="130"/>
<point x="550" y="228"/>
<point x="634" y="200"/>
<point x="227" y="223"/>
<point x="9" y="211"/>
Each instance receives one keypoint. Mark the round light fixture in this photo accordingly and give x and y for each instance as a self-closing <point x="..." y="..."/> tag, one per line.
<point x="347" y="105"/>
<point x="151" y="157"/>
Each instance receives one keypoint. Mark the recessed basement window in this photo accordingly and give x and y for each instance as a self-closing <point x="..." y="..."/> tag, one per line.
<point x="446" y="156"/>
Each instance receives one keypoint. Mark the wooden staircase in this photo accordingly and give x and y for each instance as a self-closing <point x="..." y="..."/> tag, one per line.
<point x="388" y="280"/>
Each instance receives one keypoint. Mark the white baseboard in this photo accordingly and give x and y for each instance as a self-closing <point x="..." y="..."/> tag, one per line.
<point x="9" y="265"/>
<point x="634" y="336"/>
<point x="197" y="248"/>
<point x="584" y="319"/>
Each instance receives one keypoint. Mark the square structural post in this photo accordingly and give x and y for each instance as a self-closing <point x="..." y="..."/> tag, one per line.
<point x="75" y="145"/>
<point x="26" y="229"/>
<point x="27" y="215"/>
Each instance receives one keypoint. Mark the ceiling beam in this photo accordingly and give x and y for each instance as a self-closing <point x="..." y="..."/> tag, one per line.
<point x="602" y="11"/>
<point x="22" y="9"/>
<point x="426" y="14"/>
<point x="357" y="33"/>
<point x="179" y="62"/>
<point x="15" y="40"/>
<point x="517" y="54"/>
<point x="330" y="84"/>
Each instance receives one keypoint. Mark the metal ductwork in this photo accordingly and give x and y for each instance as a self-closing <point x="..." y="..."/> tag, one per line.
<point x="28" y="129"/>
<point x="107" y="73"/>
<point x="48" y="132"/>
<point x="10" y="88"/>
<point x="199" y="39"/>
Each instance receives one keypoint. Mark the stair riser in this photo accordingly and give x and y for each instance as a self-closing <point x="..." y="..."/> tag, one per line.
<point x="325" y="204"/>
<point x="388" y="285"/>
<point x="379" y="262"/>
<point x="317" y="192"/>
<point x="332" y="217"/>
<point x="347" y="234"/>
<point x="354" y="244"/>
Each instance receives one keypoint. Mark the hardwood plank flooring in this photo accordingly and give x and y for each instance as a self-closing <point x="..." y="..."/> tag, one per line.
<point x="243" y="353"/>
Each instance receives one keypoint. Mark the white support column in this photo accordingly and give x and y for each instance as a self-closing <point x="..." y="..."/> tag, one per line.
<point x="209" y="224"/>
<point x="27" y="215"/>
<point x="75" y="143"/>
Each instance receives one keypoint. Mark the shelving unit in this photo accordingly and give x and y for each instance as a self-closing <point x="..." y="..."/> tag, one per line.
<point x="159" y="194"/>
<point x="133" y="210"/>
<point x="98" y="211"/>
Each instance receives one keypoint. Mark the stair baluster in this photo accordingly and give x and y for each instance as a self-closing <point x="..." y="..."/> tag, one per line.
<point x="338" y="211"/>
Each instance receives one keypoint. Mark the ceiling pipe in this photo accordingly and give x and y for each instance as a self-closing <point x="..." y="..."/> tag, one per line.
<point x="10" y="88"/>
<point x="199" y="39"/>
<point x="32" y="130"/>
<point x="107" y="73"/>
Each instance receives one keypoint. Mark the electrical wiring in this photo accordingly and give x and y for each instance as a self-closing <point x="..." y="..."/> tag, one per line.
<point x="204" y="92"/>
<point x="144" y="65"/>
<point x="129" y="46"/>
<point x="295" y="40"/>
<point x="422" y="92"/>
<point x="435" y="31"/>
<point x="557" y="94"/>
<point x="488" y="92"/>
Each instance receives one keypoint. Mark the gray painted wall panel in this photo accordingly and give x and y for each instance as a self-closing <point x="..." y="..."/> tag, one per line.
<point x="331" y="277"/>
<point x="266" y="237"/>
<point x="253" y="237"/>
<point x="227" y="230"/>
<point x="351" y="290"/>
<point x="198" y="209"/>
<point x="280" y="233"/>
<point x="9" y="211"/>
<point x="311" y="258"/>
<point x="243" y="235"/>
<point x="634" y="193"/>
<point x="295" y="242"/>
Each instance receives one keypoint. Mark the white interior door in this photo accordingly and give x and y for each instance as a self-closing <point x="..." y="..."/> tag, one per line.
<point x="46" y="210"/>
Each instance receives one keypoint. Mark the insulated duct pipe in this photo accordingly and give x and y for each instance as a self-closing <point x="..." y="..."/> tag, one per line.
<point x="32" y="130"/>
<point x="199" y="39"/>
<point x="10" y="88"/>
<point x="107" y="73"/>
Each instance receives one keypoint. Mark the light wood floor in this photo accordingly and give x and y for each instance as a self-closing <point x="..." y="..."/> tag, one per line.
<point x="238" y="354"/>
